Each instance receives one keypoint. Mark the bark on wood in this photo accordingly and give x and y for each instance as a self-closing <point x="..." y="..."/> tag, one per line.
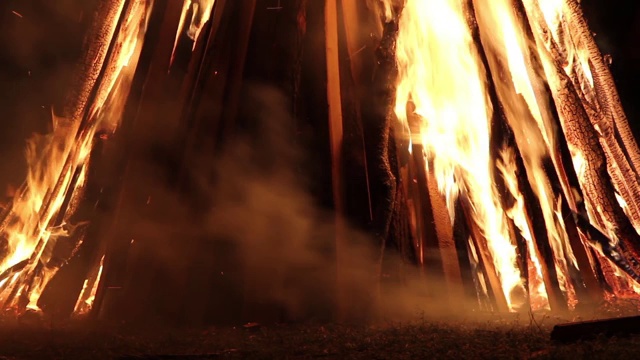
<point x="566" y="175"/>
<point x="605" y="87"/>
<point x="596" y="185"/>
<point x="97" y="43"/>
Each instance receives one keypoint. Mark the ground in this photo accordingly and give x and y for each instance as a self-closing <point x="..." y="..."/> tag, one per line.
<point x="515" y="337"/>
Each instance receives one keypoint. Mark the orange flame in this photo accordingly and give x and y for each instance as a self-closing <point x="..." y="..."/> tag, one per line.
<point x="530" y="119"/>
<point x="32" y="226"/>
<point x="440" y="74"/>
<point x="200" y="14"/>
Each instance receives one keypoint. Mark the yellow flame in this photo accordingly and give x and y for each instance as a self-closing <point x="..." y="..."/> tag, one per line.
<point x="88" y="294"/>
<point x="31" y="227"/>
<point x="200" y="14"/>
<point x="440" y="75"/>
<point x="558" y="22"/>
<point x="537" y="290"/>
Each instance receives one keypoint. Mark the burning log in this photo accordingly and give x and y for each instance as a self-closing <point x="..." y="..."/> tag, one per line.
<point x="607" y="97"/>
<point x="485" y="260"/>
<point x="139" y="118"/>
<point x="98" y="39"/>
<point x="589" y="157"/>
<point x="55" y="182"/>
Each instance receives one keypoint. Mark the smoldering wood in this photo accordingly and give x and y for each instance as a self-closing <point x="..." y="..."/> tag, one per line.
<point x="219" y="87"/>
<point x="208" y="117"/>
<point x="470" y="271"/>
<point x="608" y="247"/>
<point x="385" y="165"/>
<point x="378" y="126"/>
<point x="289" y="33"/>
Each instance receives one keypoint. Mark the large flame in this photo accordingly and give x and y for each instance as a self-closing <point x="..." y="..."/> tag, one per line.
<point x="441" y="75"/>
<point x="58" y="162"/>
<point x="528" y="116"/>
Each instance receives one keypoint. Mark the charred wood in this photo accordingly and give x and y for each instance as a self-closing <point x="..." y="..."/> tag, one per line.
<point x="140" y="118"/>
<point x="485" y="260"/>
<point x="605" y="89"/>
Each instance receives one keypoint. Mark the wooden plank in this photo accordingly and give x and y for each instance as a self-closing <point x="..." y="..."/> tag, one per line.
<point x="485" y="258"/>
<point x="438" y="253"/>
<point x="445" y="241"/>
<point x="139" y="120"/>
<point x="336" y="139"/>
<point x="566" y="173"/>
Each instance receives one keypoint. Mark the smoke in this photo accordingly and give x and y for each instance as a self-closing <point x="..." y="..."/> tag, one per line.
<point x="260" y="203"/>
<point x="249" y="241"/>
<point x="286" y="243"/>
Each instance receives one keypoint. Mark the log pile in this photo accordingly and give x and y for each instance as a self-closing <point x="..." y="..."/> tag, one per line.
<point x="335" y="62"/>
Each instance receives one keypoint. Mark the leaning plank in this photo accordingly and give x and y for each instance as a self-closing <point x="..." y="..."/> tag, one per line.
<point x="336" y="139"/>
<point x="485" y="258"/>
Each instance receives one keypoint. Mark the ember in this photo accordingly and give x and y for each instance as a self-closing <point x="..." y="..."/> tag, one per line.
<point x="482" y="142"/>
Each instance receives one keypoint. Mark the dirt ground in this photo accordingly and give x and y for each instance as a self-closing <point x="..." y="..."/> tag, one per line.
<point x="495" y="338"/>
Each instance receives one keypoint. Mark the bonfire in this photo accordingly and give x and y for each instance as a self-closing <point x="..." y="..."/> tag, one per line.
<point x="482" y="143"/>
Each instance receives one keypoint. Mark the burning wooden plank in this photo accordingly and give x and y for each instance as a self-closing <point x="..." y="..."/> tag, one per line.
<point x="589" y="158"/>
<point x="58" y="173"/>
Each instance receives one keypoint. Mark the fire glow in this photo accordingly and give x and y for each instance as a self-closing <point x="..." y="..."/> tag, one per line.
<point x="58" y="162"/>
<point x="445" y="85"/>
<point x="487" y="93"/>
